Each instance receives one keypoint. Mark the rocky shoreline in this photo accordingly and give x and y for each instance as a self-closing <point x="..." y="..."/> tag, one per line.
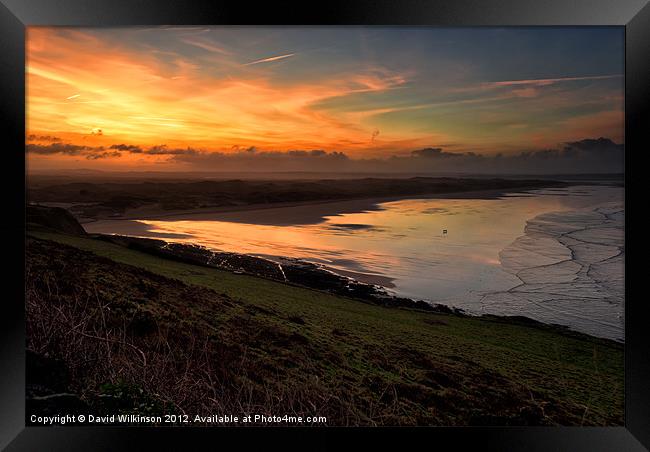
<point x="286" y="270"/>
<point x="306" y="274"/>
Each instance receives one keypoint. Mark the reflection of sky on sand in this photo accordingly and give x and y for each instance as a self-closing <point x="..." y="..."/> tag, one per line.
<point x="402" y="240"/>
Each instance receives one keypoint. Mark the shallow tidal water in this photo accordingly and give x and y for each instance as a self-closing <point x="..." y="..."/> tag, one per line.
<point x="553" y="255"/>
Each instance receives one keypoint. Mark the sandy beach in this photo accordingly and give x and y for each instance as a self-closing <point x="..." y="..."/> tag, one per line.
<point x="570" y="267"/>
<point x="399" y="244"/>
<point x="284" y="213"/>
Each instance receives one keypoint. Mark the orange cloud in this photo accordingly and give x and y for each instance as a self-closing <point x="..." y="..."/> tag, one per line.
<point x="79" y="85"/>
<point x="89" y="91"/>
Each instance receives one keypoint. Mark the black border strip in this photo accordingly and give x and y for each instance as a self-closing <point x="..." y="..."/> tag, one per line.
<point x="634" y="14"/>
<point x="333" y="12"/>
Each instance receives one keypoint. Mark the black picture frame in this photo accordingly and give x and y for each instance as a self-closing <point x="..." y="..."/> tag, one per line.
<point x="15" y="15"/>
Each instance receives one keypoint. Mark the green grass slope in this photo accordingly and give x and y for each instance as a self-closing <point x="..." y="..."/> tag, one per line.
<point x="200" y="340"/>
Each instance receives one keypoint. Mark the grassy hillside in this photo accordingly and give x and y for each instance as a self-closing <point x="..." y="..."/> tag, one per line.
<point x="200" y="340"/>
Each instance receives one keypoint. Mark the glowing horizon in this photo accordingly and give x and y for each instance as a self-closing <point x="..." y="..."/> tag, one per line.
<point x="137" y="97"/>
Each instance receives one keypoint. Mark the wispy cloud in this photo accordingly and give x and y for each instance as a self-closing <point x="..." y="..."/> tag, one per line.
<point x="205" y="45"/>
<point x="268" y="60"/>
<point x="550" y="81"/>
<point x="199" y="91"/>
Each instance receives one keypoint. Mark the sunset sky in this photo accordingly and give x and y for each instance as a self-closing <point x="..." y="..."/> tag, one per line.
<point x="167" y="98"/>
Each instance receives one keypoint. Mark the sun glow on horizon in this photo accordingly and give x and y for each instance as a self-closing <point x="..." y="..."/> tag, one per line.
<point x="356" y="91"/>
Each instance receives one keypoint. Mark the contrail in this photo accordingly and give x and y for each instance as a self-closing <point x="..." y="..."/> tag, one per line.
<point x="550" y="81"/>
<point x="73" y="96"/>
<point x="266" y="60"/>
<point x="210" y="47"/>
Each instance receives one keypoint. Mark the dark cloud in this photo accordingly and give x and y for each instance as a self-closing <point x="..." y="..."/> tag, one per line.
<point x="237" y="148"/>
<point x="251" y="159"/>
<point x="600" y="155"/>
<point x="313" y="153"/>
<point x="48" y="138"/>
<point x="57" y="148"/>
<point x="154" y="150"/>
<point x="590" y="155"/>
<point x="103" y="155"/>
<point x="127" y="148"/>
<point x="598" y="146"/>
<point x="93" y="153"/>
<point x="164" y="150"/>
<point x="434" y="153"/>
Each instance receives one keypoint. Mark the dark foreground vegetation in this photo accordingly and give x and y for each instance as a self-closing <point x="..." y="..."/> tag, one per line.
<point x="101" y="200"/>
<point x="111" y="329"/>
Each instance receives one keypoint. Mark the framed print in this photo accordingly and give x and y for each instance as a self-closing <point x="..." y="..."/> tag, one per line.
<point x="378" y="220"/>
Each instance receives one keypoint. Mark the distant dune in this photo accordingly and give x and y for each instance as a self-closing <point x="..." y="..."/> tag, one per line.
<point x="100" y="200"/>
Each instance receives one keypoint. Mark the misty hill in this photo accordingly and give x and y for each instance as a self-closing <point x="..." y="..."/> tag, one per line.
<point x="54" y="218"/>
<point x="97" y="200"/>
